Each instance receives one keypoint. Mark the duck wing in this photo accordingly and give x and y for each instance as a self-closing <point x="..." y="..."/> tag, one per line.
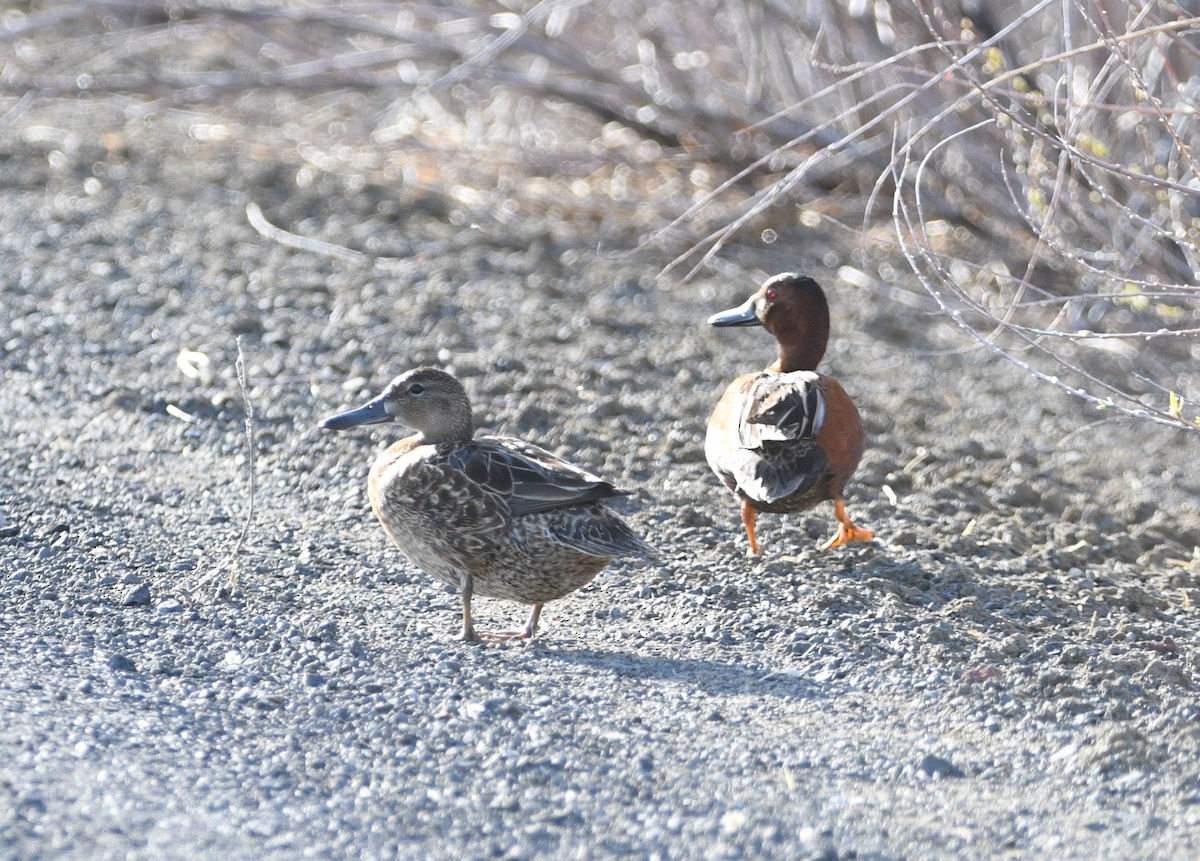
<point x="596" y="531"/>
<point x="524" y="479"/>
<point x="780" y="417"/>
<point x="527" y="477"/>
<point x="782" y="407"/>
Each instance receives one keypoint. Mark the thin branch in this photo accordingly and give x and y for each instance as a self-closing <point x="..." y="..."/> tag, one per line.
<point x="228" y="565"/>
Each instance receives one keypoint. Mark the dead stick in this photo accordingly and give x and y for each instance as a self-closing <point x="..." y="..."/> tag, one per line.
<point x="230" y="561"/>
<point x="240" y="367"/>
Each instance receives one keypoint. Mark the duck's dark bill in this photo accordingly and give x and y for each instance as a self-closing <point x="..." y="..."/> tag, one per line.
<point x="368" y="414"/>
<point x="742" y="315"/>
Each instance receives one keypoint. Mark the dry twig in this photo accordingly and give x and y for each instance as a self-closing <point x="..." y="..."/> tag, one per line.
<point x="1039" y="156"/>
<point x="224" y="574"/>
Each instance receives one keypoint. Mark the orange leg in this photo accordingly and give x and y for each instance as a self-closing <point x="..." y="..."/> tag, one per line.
<point x="749" y="515"/>
<point x="847" y="531"/>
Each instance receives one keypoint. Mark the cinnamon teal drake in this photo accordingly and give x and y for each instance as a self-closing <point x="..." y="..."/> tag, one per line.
<point x="488" y="515"/>
<point x="786" y="438"/>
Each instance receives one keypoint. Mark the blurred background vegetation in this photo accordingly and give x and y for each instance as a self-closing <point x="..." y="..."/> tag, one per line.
<point x="1026" y="170"/>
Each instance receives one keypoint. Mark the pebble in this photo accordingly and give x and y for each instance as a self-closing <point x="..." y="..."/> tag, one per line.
<point x="138" y="594"/>
<point x="932" y="765"/>
<point x="325" y="708"/>
<point x="121" y="664"/>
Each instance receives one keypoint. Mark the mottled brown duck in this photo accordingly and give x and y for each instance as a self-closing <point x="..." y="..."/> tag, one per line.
<point x="489" y="515"/>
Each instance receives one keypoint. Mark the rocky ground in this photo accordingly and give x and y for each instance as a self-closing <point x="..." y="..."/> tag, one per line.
<point x="1009" y="670"/>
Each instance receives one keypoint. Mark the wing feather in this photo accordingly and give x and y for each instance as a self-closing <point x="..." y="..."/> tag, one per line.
<point x="778" y="421"/>
<point x="528" y="478"/>
<point x="783" y="406"/>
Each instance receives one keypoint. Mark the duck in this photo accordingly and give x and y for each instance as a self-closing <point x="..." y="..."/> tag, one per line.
<point x="488" y="515"/>
<point x="787" y="438"/>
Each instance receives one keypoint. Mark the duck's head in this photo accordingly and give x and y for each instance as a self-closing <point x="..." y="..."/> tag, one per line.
<point x="428" y="400"/>
<point x="792" y="308"/>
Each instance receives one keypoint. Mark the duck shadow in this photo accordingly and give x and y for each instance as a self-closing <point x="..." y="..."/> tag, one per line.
<point x="709" y="676"/>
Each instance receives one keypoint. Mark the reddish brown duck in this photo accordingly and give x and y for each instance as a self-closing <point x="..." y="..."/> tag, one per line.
<point x="787" y="438"/>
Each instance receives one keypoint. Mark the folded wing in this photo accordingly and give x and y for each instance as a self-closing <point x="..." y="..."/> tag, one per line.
<point x="529" y="478"/>
<point x="780" y="418"/>
<point x="529" y="492"/>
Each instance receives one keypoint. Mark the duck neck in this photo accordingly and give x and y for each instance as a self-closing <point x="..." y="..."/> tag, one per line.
<point x="802" y="343"/>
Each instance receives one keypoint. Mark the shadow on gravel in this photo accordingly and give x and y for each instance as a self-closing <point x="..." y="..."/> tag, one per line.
<point x="710" y="676"/>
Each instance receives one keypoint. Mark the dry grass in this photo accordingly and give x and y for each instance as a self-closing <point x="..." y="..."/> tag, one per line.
<point x="1035" y="167"/>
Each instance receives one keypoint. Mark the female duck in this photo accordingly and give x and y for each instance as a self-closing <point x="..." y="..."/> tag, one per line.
<point x="787" y="438"/>
<point x="490" y="515"/>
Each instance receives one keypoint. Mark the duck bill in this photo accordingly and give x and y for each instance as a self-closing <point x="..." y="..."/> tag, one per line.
<point x="371" y="413"/>
<point x="742" y="315"/>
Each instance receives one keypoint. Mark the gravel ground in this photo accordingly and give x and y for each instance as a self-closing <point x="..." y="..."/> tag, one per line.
<point x="1008" y="671"/>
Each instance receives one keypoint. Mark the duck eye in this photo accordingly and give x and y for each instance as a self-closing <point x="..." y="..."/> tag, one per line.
<point x="416" y="389"/>
<point x="772" y="294"/>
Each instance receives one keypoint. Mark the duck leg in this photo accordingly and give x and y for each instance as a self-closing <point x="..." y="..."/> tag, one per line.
<point x="467" y="587"/>
<point x="525" y="633"/>
<point x="847" y="531"/>
<point x="531" y="625"/>
<point x="749" y="517"/>
<point x="470" y="635"/>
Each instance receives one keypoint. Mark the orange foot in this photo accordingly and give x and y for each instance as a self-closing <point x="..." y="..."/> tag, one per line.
<point x="749" y="515"/>
<point x="847" y="531"/>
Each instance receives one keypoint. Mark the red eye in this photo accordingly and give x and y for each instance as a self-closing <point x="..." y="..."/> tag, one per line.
<point x="771" y="294"/>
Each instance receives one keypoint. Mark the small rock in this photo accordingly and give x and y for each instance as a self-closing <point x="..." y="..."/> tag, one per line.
<point x="139" y="594"/>
<point x="1072" y="655"/>
<point x="936" y="766"/>
<point x="1014" y="645"/>
<point x="326" y="631"/>
<point x="121" y="664"/>
<point x="733" y="821"/>
<point x="904" y="537"/>
<point x="169" y="605"/>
